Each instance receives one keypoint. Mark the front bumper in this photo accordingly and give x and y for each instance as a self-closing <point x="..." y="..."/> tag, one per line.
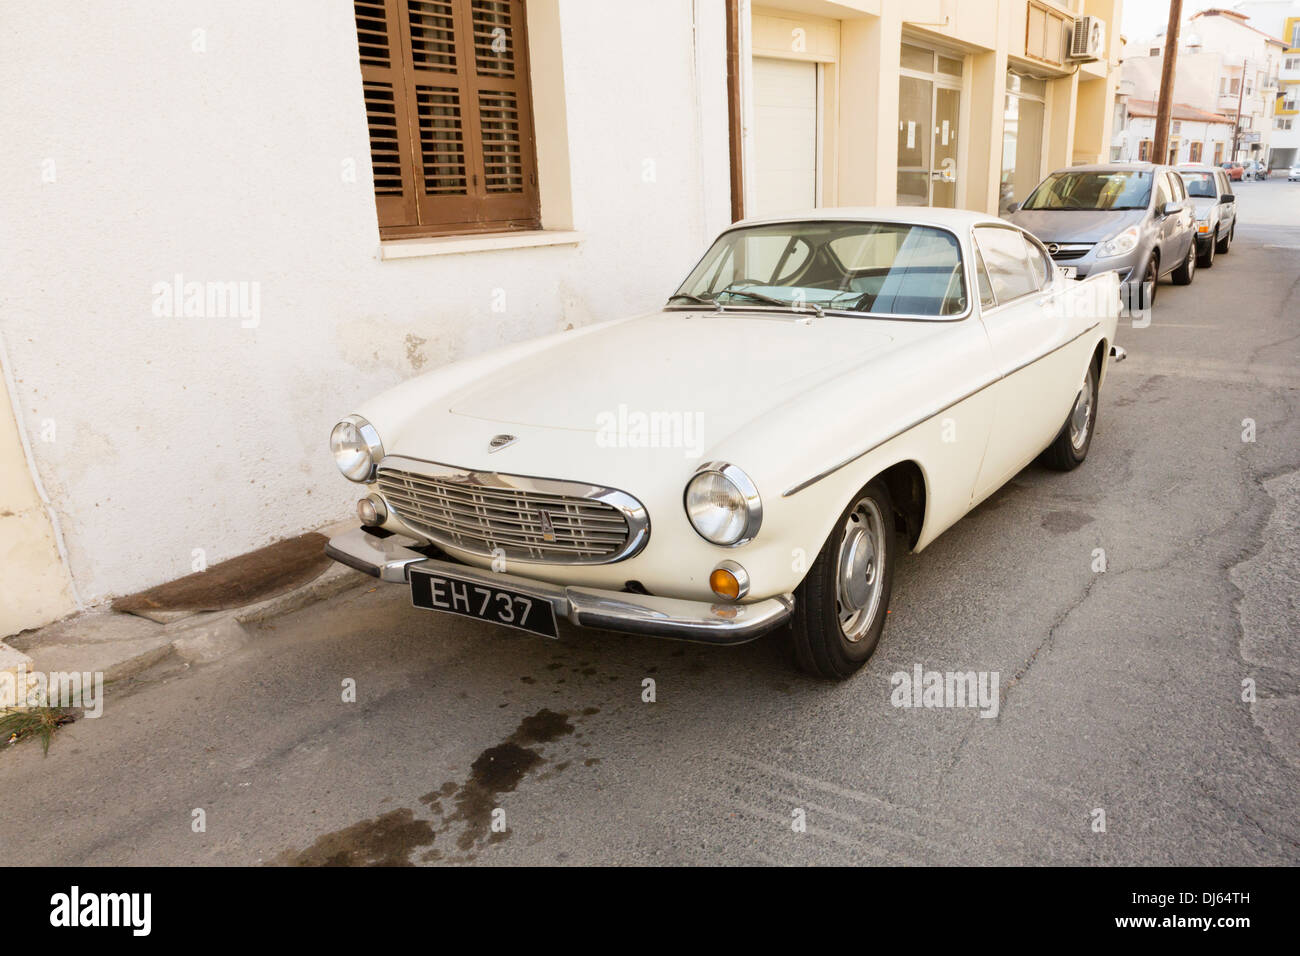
<point x="390" y="557"/>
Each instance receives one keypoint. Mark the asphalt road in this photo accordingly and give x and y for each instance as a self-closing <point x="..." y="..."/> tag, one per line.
<point x="1120" y="691"/>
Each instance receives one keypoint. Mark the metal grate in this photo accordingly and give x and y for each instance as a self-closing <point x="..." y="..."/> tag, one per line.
<point x="465" y="511"/>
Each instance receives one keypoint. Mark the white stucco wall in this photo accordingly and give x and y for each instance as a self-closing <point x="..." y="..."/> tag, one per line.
<point x="225" y="165"/>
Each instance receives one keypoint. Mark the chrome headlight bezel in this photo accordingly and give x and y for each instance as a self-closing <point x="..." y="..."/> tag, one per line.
<point x="363" y="468"/>
<point x="749" y="503"/>
<point x="1120" y="244"/>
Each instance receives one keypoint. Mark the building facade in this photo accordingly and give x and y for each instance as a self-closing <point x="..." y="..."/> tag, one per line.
<point x="1281" y="18"/>
<point x="1195" y="136"/>
<point x="230" y="224"/>
<point x="1226" y="66"/>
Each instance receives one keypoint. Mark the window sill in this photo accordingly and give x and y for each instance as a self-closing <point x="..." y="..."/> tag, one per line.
<point x="482" y="242"/>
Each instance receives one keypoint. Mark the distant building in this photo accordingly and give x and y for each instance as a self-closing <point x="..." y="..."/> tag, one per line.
<point x="1226" y="66"/>
<point x="1282" y="18"/>
<point x="1195" y="135"/>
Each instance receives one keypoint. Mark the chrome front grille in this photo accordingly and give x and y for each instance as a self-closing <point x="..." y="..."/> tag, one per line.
<point x="1069" y="250"/>
<point x="538" y="520"/>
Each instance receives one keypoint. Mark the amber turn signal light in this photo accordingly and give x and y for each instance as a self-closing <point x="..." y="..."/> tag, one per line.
<point x="729" y="581"/>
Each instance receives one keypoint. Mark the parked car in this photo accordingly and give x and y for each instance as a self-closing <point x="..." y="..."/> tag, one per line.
<point x="853" y="381"/>
<point x="1133" y="218"/>
<point x="1254" y="169"/>
<point x="1215" y="209"/>
<point x="1293" y="174"/>
<point x="1235" y="171"/>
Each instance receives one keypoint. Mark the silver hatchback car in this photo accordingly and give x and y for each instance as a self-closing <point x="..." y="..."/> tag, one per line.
<point x="1132" y="218"/>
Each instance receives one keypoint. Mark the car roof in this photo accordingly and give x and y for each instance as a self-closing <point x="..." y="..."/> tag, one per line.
<point x="1111" y="168"/>
<point x="1199" y="168"/>
<point x="954" y="219"/>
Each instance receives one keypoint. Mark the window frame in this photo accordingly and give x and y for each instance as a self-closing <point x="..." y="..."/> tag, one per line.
<point x="424" y="93"/>
<point x="1006" y="227"/>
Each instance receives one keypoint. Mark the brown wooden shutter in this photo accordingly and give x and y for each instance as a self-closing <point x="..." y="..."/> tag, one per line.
<point x="447" y="100"/>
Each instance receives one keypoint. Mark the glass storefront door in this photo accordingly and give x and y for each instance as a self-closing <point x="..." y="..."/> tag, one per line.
<point x="929" y="104"/>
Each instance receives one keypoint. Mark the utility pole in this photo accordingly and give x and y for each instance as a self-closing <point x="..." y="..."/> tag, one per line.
<point x="1166" y="105"/>
<point x="1236" y="129"/>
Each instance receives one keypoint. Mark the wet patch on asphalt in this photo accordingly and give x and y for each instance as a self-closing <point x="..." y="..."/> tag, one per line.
<point x="392" y="838"/>
<point x="1064" y="522"/>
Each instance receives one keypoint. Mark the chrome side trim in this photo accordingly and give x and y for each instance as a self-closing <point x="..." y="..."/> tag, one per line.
<point x="633" y="512"/>
<point x="390" y="559"/>
<point x="795" y="489"/>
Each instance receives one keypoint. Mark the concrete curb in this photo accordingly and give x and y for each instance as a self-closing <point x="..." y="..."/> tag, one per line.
<point x="121" y="645"/>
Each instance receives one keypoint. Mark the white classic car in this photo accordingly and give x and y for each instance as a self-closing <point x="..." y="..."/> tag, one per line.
<point x="821" y="391"/>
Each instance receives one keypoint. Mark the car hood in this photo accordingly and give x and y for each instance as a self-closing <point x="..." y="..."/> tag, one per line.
<point x="1203" y="205"/>
<point x="725" y="367"/>
<point x="1076" y="225"/>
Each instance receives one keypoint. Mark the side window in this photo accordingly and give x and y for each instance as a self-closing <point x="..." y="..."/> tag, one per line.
<point x="1162" y="193"/>
<point x="982" y="280"/>
<point x="1180" y="189"/>
<point x="1040" y="262"/>
<point x="1006" y="258"/>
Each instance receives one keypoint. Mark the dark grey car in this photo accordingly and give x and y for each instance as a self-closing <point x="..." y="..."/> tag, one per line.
<point x="1132" y="218"/>
<point x="1215" y="208"/>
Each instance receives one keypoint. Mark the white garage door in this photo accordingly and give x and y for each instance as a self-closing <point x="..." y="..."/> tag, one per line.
<point x="785" y="137"/>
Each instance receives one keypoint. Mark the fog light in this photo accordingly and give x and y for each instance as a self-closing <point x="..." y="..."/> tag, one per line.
<point x="729" y="581"/>
<point x="371" y="511"/>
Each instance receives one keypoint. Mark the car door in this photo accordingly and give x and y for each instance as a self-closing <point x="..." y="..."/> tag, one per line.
<point x="1023" y="316"/>
<point x="1186" y="215"/>
<point x="1227" y="210"/>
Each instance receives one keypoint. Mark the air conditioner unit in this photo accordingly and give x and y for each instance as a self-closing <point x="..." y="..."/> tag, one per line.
<point x="1087" y="39"/>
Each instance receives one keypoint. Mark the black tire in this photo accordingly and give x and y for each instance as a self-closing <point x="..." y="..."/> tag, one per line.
<point x="1144" y="297"/>
<point x="1205" y="257"/>
<point x="1070" y="447"/>
<point x="1184" y="274"/>
<point x="820" y="643"/>
<point x="1221" y="246"/>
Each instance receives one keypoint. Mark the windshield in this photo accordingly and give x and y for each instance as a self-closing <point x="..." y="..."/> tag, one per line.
<point x="1200" y="185"/>
<point x="876" y="268"/>
<point x="1124" y="189"/>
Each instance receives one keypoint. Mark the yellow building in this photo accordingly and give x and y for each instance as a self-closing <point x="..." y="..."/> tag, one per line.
<point x="965" y="103"/>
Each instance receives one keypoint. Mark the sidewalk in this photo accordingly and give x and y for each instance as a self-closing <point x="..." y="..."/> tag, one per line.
<point x="120" y="644"/>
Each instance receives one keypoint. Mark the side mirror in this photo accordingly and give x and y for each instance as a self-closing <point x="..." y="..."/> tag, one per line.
<point x="1227" y="197"/>
<point x="1171" y="207"/>
<point x="1014" y="207"/>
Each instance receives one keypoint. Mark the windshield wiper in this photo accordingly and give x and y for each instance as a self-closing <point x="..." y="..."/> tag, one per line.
<point x="757" y="297"/>
<point x="690" y="298"/>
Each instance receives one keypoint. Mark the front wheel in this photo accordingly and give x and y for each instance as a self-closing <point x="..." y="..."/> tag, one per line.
<point x="1221" y="246"/>
<point x="1070" y="447"/>
<point x="1205" y="258"/>
<point x="840" y="607"/>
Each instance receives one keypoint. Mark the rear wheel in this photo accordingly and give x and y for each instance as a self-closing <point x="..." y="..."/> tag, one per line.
<point x="1071" y="444"/>
<point x="1184" y="274"/>
<point x="840" y="607"/>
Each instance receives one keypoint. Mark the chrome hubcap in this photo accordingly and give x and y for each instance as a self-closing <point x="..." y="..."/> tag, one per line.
<point x="859" y="577"/>
<point x="1081" y="416"/>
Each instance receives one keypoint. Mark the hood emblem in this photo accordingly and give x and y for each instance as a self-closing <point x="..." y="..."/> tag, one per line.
<point x="548" y="529"/>
<point x="500" y="441"/>
<point x="1053" y="248"/>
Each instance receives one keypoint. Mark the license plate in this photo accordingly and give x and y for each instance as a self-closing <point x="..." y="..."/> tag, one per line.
<point x="510" y="608"/>
<point x="1070" y="272"/>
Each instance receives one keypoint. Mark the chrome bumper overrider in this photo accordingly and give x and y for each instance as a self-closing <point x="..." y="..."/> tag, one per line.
<point x="390" y="558"/>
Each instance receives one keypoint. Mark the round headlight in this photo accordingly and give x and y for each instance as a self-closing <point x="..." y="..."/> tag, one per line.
<point x="723" y="505"/>
<point x="356" y="448"/>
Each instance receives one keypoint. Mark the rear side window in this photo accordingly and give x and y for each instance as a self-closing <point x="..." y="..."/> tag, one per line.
<point x="1006" y="257"/>
<point x="1162" y="194"/>
<point x="1042" y="263"/>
